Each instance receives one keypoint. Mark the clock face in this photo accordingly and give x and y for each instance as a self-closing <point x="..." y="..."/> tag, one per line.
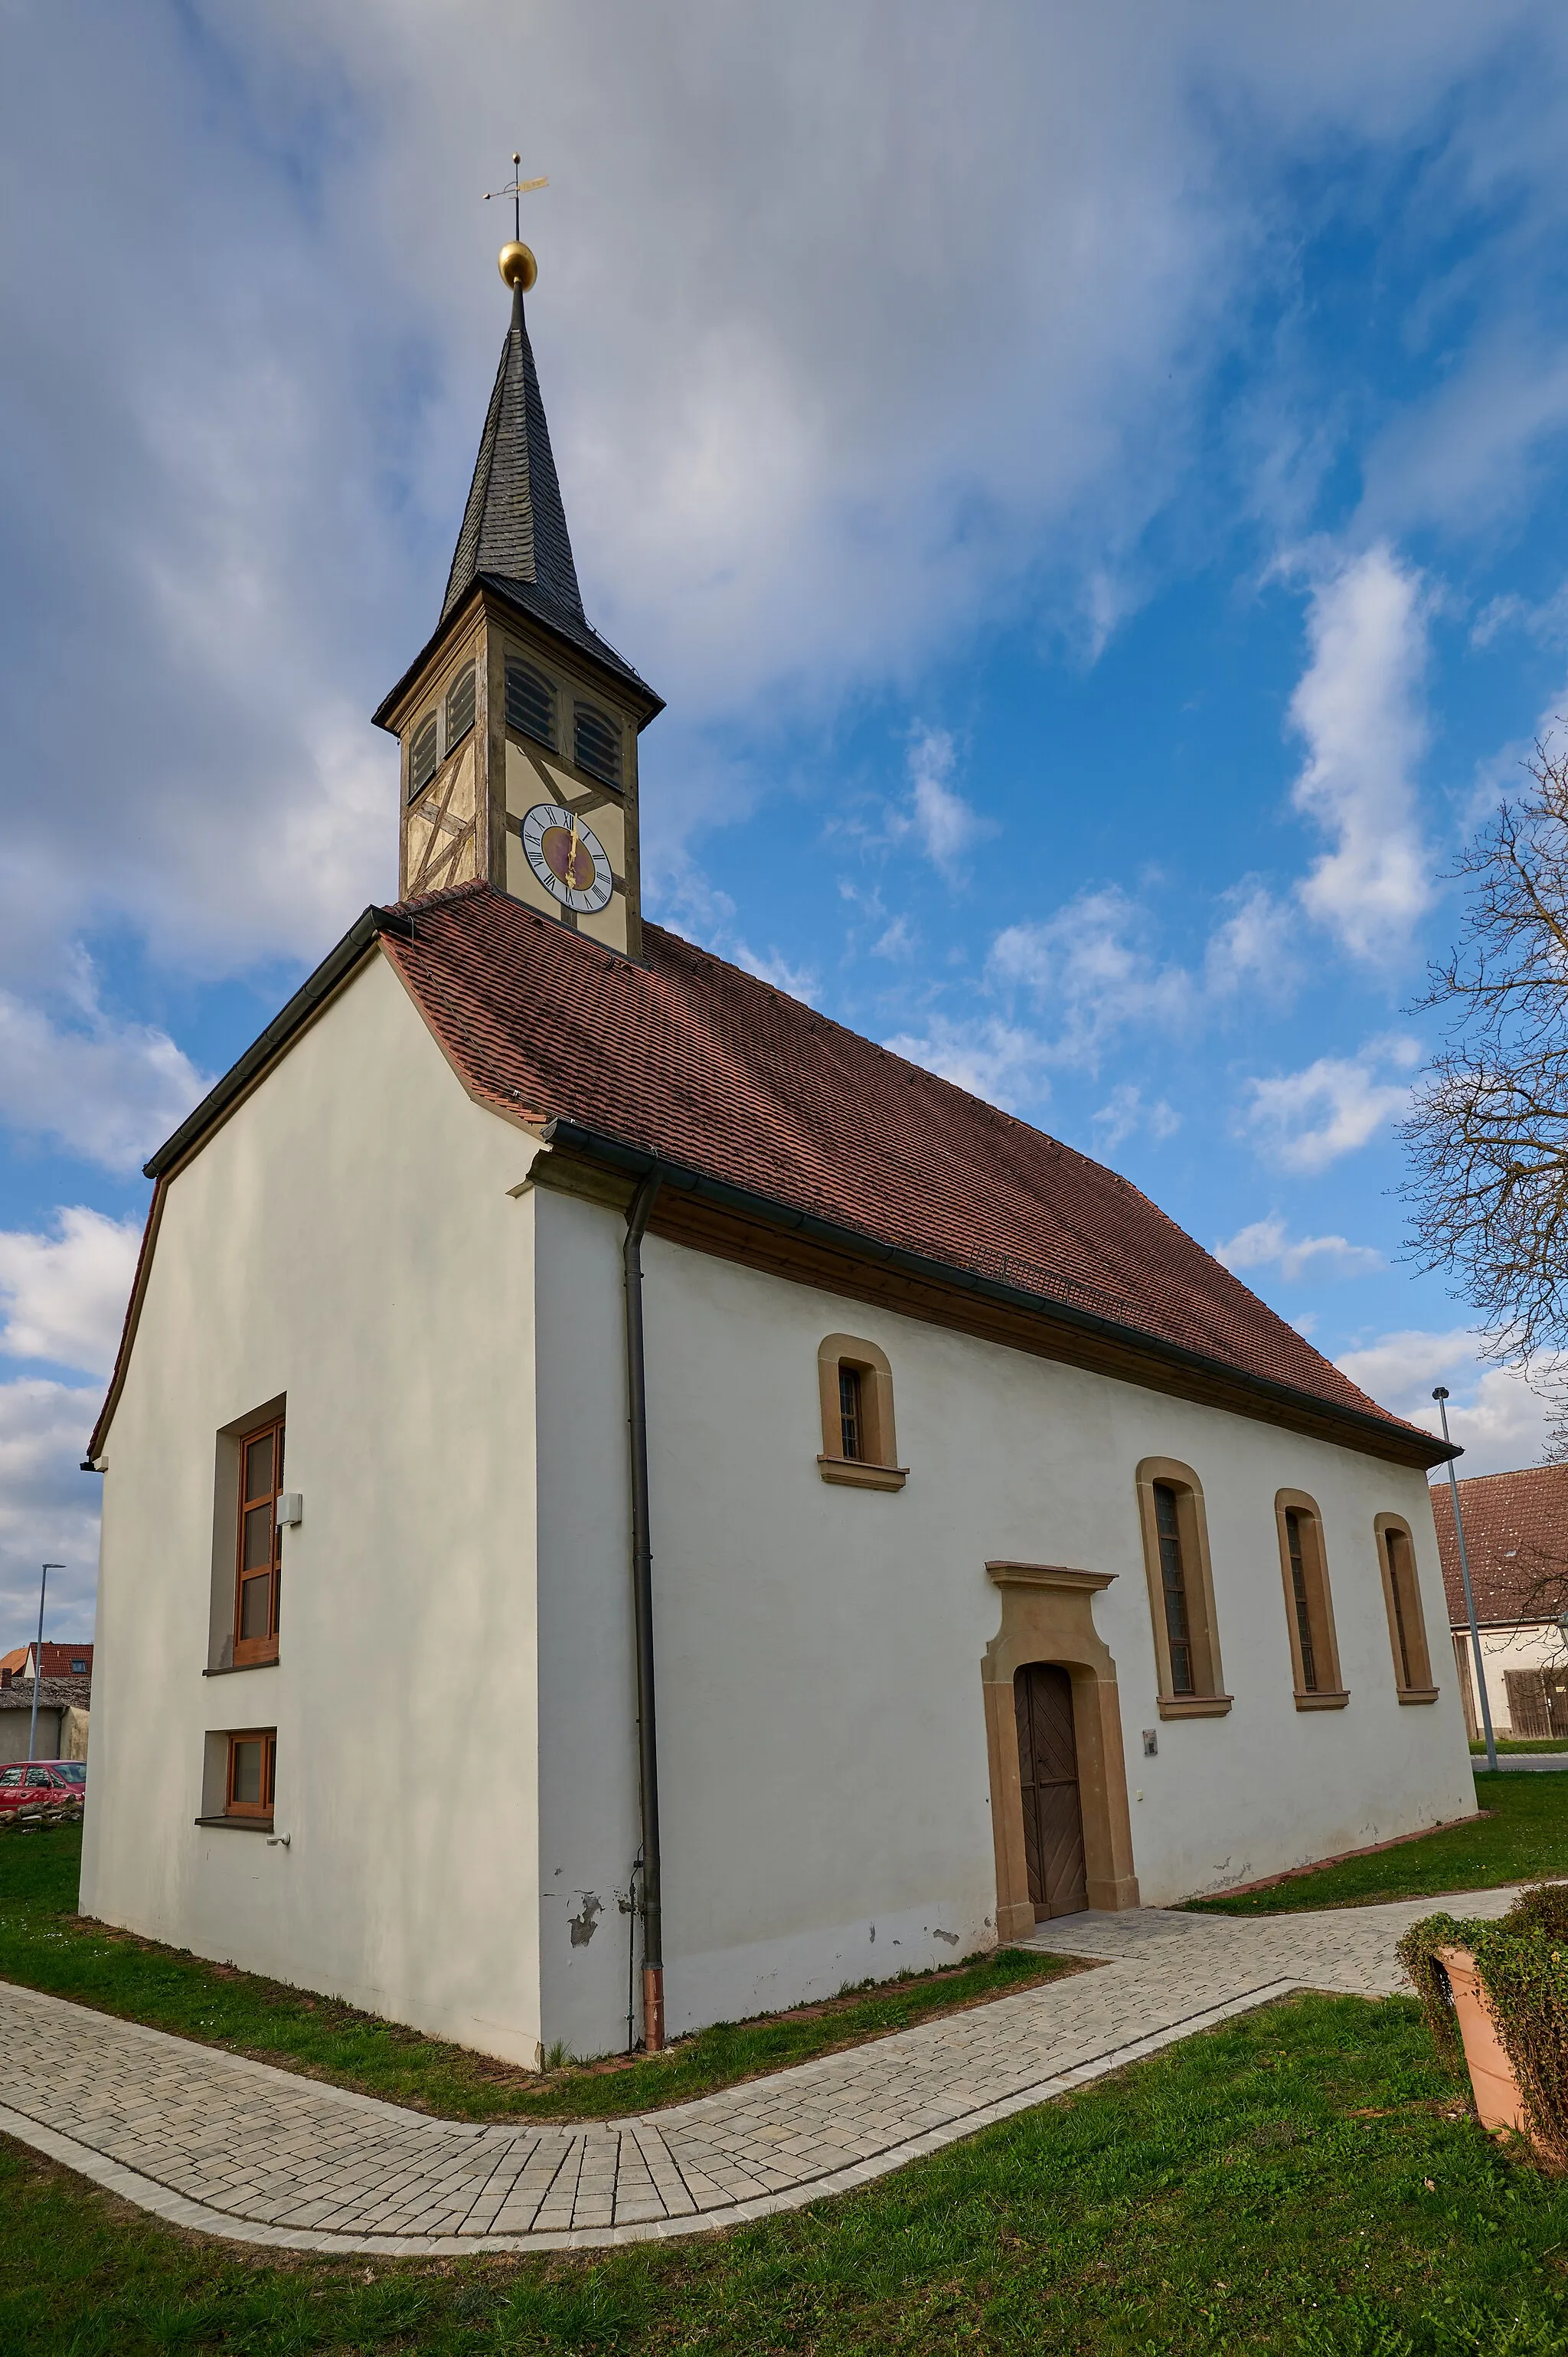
<point x="568" y="857"/>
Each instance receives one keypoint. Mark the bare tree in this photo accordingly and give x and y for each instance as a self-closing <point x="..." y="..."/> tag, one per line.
<point x="1487" y="1132"/>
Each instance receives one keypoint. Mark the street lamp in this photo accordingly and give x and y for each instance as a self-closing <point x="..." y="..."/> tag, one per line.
<point x="1441" y="1396"/>
<point x="39" y="1660"/>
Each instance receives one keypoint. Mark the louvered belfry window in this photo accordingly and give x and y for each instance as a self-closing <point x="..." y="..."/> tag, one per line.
<point x="596" y="743"/>
<point x="422" y="756"/>
<point x="530" y="703"/>
<point x="460" y="706"/>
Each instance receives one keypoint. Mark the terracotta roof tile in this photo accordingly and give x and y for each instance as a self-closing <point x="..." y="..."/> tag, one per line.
<point x="1516" y="1535"/>
<point x="690" y="1059"/>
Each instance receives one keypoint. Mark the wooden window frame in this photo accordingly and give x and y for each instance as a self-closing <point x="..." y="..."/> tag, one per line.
<point x="1208" y="1698"/>
<point x="1329" y="1693"/>
<point x="255" y="1652"/>
<point x="1420" y="1688"/>
<point x="261" y="1811"/>
<point x="878" y="1466"/>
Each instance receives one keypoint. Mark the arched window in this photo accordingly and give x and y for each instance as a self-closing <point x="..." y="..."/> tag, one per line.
<point x="460" y="706"/>
<point x="1181" y="1591"/>
<point x="595" y="743"/>
<point x="1407" y="1622"/>
<point x="422" y="755"/>
<point x="859" y="1446"/>
<point x="1309" y="1611"/>
<point x="530" y="702"/>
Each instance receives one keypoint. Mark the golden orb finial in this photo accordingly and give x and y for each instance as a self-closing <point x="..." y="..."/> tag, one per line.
<point x="517" y="265"/>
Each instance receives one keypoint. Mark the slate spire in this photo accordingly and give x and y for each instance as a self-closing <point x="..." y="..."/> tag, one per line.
<point x="514" y="526"/>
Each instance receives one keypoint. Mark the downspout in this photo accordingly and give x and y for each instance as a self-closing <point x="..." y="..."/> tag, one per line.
<point x="636" y="1220"/>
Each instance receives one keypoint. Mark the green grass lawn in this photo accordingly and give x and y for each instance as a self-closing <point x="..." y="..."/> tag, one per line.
<point x="1303" y="2181"/>
<point x="1523" y="1743"/>
<point x="1526" y="1836"/>
<point x="44" y="1944"/>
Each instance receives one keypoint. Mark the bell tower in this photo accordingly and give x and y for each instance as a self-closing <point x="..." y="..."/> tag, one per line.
<point x="518" y="725"/>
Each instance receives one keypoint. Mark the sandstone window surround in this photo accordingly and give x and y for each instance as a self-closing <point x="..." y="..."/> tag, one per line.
<point x="1181" y="1591"/>
<point x="1309" y="1607"/>
<point x="1401" y="1601"/>
<point x="860" y="1447"/>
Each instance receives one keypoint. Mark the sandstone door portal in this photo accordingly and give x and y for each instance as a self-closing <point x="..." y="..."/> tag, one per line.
<point x="1047" y="1768"/>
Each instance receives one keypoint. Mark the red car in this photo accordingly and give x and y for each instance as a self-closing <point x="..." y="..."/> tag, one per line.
<point x="26" y="1782"/>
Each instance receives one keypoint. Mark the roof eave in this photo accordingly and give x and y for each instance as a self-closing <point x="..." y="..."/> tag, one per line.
<point x="1386" y="1435"/>
<point x="623" y="681"/>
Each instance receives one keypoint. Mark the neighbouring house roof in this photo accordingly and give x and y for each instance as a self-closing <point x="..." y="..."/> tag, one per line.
<point x="55" y="1693"/>
<point x="755" y="1103"/>
<point x="58" y="1660"/>
<point x="1516" y="1535"/>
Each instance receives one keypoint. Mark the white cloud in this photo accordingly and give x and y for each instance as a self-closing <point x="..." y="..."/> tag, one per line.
<point x="1002" y="1062"/>
<point x="1358" y="705"/>
<point x="1088" y="970"/>
<point x="1266" y="1244"/>
<point x="105" y="1089"/>
<point x="1498" y="1420"/>
<point x="1124" y="1111"/>
<point x="49" y="1509"/>
<point x="63" y="1296"/>
<point x="793" y="485"/>
<point x="1303" y="1121"/>
<point x="946" y="827"/>
<point x="1249" y="948"/>
<point x="899" y="942"/>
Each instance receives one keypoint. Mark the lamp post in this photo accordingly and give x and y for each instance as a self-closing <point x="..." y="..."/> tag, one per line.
<point x="1441" y="1396"/>
<point x="43" y="1584"/>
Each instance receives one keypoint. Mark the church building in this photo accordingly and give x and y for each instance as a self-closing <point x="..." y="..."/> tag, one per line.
<point x="626" y="1502"/>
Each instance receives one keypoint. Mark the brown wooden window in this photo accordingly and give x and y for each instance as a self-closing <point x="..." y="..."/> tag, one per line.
<point x="253" y="1772"/>
<point x="596" y="743"/>
<point x="1309" y="1611"/>
<point x="855" y="1384"/>
<point x="460" y="706"/>
<point x="530" y="702"/>
<point x="422" y="756"/>
<point x="1407" y="1622"/>
<point x="259" y="1546"/>
<point x="1181" y="1591"/>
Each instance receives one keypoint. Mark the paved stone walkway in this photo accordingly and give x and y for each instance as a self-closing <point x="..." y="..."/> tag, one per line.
<point x="233" y="2148"/>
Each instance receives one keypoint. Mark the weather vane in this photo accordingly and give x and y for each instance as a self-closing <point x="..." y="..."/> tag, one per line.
<point x="517" y="265"/>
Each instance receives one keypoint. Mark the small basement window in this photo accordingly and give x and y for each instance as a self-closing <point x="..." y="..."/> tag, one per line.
<point x="530" y="702"/>
<point x="253" y="1772"/>
<point x="422" y="756"/>
<point x="596" y="743"/>
<point x="460" y="706"/>
<point x="855" y="1384"/>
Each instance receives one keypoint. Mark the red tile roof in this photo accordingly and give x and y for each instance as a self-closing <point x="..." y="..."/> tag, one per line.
<point x="691" y="1060"/>
<point x="1516" y="1535"/>
<point x="58" y="1659"/>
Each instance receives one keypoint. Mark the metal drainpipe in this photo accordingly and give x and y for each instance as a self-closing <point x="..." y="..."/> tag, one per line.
<point x="636" y="1220"/>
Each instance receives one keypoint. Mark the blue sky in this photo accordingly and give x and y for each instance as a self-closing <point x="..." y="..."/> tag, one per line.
<point x="1089" y="481"/>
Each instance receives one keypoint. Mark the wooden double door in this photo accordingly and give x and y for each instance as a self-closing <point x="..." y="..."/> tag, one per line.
<point x="1047" y="1768"/>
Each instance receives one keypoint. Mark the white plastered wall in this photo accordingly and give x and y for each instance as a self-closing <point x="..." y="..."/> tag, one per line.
<point x="347" y="1239"/>
<point x="824" y="1786"/>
